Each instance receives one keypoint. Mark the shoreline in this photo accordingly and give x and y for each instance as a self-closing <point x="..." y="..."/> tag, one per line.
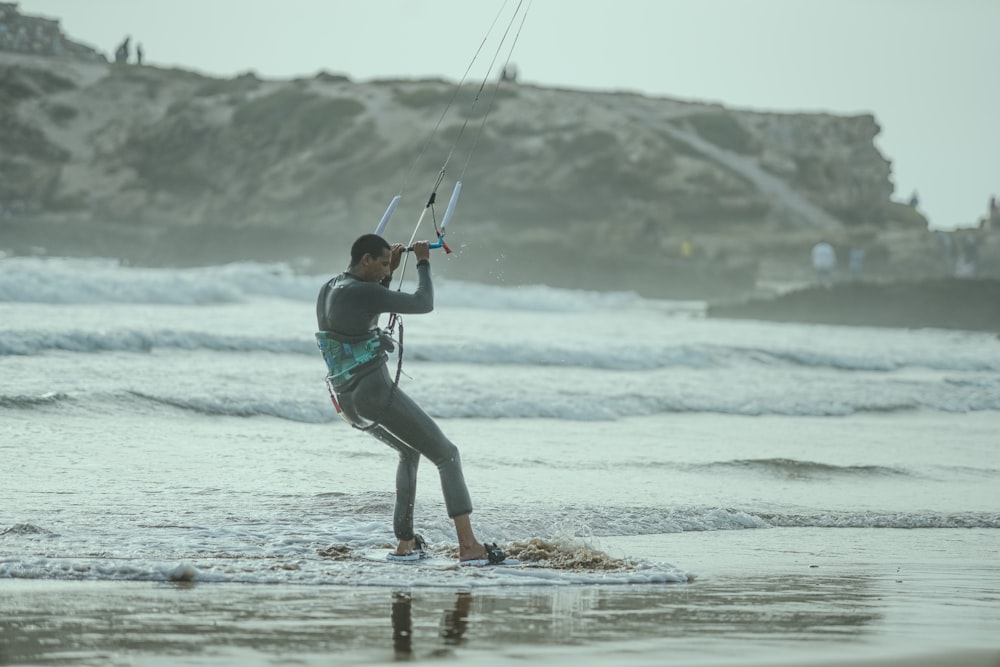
<point x="784" y="596"/>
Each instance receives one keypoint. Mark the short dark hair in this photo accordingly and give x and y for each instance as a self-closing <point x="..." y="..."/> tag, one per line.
<point x="368" y="244"/>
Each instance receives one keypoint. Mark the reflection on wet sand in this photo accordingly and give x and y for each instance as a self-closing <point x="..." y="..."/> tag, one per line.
<point x="454" y="623"/>
<point x="92" y="621"/>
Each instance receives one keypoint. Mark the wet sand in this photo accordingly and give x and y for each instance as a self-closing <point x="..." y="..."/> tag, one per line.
<point x="779" y="596"/>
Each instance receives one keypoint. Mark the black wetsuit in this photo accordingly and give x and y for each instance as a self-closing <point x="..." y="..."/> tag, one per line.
<point x="350" y="307"/>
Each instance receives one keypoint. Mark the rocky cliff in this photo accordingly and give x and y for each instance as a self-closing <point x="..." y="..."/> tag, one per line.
<point x="39" y="36"/>
<point x="168" y="158"/>
<point x="141" y="144"/>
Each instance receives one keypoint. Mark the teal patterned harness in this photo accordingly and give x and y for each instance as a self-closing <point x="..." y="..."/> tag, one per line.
<point x="347" y="357"/>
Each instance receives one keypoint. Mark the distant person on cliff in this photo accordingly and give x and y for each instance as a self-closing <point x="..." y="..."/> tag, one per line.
<point x="122" y="52"/>
<point x="824" y="261"/>
<point x="356" y="351"/>
<point x="139" y="53"/>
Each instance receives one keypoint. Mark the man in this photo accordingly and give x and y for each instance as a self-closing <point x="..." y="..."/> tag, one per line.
<point x="356" y="352"/>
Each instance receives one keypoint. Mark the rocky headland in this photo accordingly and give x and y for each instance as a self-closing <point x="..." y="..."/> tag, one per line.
<point x="592" y="190"/>
<point x="942" y="303"/>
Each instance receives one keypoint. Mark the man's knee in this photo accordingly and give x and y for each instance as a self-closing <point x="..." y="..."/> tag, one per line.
<point x="408" y="456"/>
<point x="446" y="455"/>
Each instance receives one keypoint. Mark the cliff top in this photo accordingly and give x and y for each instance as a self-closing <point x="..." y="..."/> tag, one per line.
<point x="39" y="36"/>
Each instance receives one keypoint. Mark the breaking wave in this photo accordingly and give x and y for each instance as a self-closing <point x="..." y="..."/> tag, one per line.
<point x="636" y="357"/>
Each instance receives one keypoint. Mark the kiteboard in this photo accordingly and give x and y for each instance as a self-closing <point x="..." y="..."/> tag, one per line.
<point x="435" y="562"/>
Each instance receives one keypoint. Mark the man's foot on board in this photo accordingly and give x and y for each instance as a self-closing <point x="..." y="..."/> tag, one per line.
<point x="414" y="549"/>
<point x="485" y="554"/>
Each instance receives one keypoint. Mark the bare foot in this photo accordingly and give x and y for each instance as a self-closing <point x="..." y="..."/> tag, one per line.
<point x="405" y="547"/>
<point x="472" y="552"/>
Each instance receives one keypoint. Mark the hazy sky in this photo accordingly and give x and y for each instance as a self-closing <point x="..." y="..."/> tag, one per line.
<point x="929" y="70"/>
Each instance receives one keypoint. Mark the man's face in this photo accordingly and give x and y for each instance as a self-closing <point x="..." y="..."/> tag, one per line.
<point x="375" y="269"/>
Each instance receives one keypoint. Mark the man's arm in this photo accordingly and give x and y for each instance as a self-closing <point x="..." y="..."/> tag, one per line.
<point x="382" y="300"/>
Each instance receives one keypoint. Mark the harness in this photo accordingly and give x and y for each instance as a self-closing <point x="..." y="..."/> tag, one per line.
<point x="349" y="357"/>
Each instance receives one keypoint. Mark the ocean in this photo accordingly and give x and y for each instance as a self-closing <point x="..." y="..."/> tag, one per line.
<point x="178" y="489"/>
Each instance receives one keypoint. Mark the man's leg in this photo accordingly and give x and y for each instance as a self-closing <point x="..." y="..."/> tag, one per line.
<point x="402" y="423"/>
<point x="405" y="420"/>
<point x="355" y="404"/>
<point x="401" y="418"/>
<point x="406" y="489"/>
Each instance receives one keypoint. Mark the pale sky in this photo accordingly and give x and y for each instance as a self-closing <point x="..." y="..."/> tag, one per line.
<point x="929" y="70"/>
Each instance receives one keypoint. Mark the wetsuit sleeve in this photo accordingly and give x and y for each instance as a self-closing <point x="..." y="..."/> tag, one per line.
<point x="352" y="307"/>
<point x="322" y="321"/>
<point x="420" y="301"/>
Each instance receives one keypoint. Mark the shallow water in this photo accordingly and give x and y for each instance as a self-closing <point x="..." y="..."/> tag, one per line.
<point x="776" y="595"/>
<point x="176" y="483"/>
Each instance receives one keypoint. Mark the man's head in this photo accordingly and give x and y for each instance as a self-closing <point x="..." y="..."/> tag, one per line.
<point x="370" y="258"/>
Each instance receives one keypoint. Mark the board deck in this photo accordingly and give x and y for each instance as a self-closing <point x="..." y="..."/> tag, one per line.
<point x="432" y="561"/>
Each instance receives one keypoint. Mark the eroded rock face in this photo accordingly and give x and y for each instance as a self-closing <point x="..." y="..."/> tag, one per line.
<point x="133" y="144"/>
<point x="159" y="165"/>
<point x="36" y="35"/>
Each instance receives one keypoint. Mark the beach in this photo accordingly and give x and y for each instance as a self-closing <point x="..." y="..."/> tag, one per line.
<point x="178" y="489"/>
<point x="776" y="598"/>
